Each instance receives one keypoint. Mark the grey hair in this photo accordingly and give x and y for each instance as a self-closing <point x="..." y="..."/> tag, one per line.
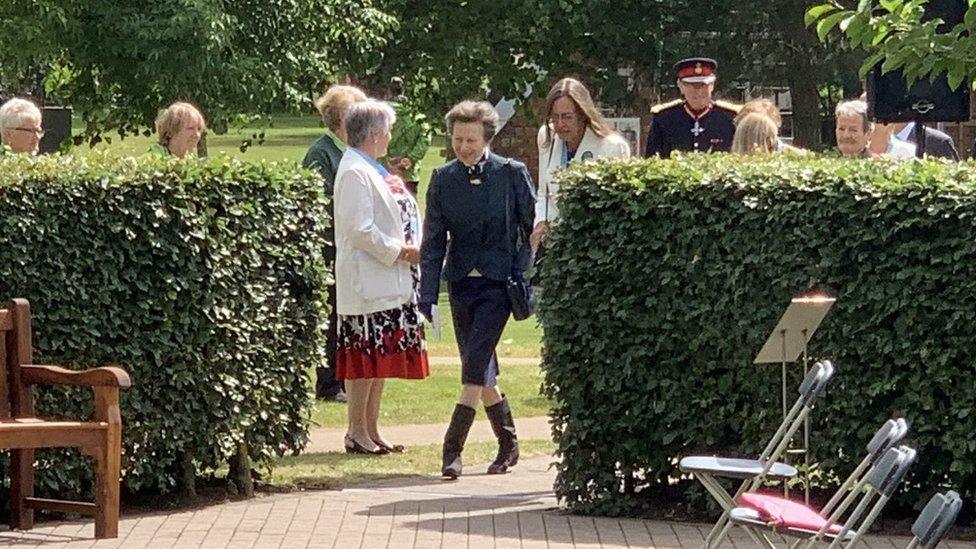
<point x="855" y="107"/>
<point x="366" y="117"/>
<point x="14" y="111"/>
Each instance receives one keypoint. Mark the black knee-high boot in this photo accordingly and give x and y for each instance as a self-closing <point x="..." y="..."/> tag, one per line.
<point x="457" y="433"/>
<point x="500" y="416"/>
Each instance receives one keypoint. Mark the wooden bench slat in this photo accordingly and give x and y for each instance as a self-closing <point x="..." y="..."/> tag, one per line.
<point x="32" y="433"/>
<point x="80" y="507"/>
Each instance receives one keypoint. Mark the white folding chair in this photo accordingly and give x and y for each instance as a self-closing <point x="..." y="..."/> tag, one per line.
<point x="767" y="513"/>
<point x="753" y="472"/>
<point x="938" y="515"/>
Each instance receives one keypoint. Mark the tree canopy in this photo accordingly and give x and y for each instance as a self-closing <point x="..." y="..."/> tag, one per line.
<point x="898" y="35"/>
<point x="118" y="61"/>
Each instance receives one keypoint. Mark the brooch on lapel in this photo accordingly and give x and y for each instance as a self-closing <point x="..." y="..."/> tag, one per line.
<point x="474" y="174"/>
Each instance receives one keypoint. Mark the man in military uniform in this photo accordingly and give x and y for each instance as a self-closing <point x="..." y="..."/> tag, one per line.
<point x="695" y="123"/>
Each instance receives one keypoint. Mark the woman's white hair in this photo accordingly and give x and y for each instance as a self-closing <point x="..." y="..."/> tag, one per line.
<point x="366" y="117"/>
<point x="14" y="112"/>
<point x="855" y="108"/>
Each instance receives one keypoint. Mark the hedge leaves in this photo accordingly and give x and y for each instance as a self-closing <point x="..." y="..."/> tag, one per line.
<point x="665" y="277"/>
<point x="203" y="278"/>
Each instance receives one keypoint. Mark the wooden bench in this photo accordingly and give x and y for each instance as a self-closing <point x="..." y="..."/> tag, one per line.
<point x="21" y="432"/>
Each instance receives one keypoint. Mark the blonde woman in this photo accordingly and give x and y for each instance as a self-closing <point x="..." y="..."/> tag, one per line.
<point x="324" y="156"/>
<point x="755" y="133"/>
<point x="768" y="108"/>
<point x="179" y="127"/>
<point x="574" y="130"/>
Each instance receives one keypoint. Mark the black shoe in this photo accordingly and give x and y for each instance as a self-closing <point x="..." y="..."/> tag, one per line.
<point x="500" y="416"/>
<point x="339" y="397"/>
<point x="395" y="449"/>
<point x="353" y="447"/>
<point x="457" y="434"/>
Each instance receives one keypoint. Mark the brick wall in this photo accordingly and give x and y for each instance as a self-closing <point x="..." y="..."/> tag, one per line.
<point x="518" y="140"/>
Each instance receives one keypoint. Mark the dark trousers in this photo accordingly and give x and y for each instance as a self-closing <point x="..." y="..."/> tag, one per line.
<point x="479" y="309"/>
<point x="326" y="384"/>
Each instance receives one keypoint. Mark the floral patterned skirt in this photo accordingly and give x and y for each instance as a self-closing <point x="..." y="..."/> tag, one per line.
<point x="386" y="344"/>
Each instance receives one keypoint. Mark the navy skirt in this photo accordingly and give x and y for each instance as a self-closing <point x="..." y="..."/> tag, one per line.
<point x="479" y="309"/>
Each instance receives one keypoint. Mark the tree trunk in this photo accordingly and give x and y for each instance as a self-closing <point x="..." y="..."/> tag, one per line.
<point x="188" y="487"/>
<point x="802" y="74"/>
<point x="240" y="471"/>
<point x="806" y="107"/>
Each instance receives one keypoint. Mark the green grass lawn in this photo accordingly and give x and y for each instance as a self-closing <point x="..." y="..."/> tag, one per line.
<point x="335" y="470"/>
<point x="432" y="400"/>
<point x="286" y="140"/>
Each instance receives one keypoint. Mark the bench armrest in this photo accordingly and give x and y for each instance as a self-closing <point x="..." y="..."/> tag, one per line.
<point x="108" y="376"/>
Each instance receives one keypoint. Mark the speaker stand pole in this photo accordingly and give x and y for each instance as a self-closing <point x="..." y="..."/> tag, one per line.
<point x="919" y="139"/>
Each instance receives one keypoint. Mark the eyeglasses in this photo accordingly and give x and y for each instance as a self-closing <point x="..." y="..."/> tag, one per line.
<point x="565" y="117"/>
<point x="36" y="131"/>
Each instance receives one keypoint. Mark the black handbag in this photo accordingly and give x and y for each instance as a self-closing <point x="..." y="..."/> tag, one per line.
<point x="521" y="295"/>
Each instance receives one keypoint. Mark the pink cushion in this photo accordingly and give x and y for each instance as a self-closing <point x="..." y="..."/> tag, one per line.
<point x="784" y="512"/>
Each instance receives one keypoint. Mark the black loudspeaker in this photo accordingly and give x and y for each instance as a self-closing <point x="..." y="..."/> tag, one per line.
<point x="56" y="122"/>
<point x="890" y="99"/>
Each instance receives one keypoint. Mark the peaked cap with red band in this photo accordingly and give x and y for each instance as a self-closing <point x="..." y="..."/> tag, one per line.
<point x="696" y="69"/>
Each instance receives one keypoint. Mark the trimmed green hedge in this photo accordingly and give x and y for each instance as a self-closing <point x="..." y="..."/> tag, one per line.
<point x="665" y="277"/>
<point x="203" y="278"/>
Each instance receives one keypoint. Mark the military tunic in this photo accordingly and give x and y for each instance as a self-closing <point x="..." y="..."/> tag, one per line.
<point x="675" y="127"/>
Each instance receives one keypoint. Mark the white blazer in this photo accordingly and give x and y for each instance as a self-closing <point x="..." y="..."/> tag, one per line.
<point x="591" y="147"/>
<point x="369" y="236"/>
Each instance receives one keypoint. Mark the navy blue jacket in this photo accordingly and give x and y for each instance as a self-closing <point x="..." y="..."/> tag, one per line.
<point x="673" y="128"/>
<point x="467" y="223"/>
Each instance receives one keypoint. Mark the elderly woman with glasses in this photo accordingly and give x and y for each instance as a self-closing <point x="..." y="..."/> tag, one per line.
<point x="377" y="230"/>
<point x="20" y="126"/>
<point x="574" y="130"/>
<point x="180" y="127"/>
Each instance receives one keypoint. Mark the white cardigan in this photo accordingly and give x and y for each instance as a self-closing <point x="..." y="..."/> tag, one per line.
<point x="369" y="237"/>
<point x="591" y="147"/>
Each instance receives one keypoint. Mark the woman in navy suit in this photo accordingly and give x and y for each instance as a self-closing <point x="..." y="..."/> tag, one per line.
<point x="484" y="204"/>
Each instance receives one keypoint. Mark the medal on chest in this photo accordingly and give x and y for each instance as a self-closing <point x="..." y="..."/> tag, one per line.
<point x="697" y="129"/>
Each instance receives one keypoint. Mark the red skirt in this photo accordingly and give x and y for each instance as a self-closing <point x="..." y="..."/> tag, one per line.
<point x="387" y="344"/>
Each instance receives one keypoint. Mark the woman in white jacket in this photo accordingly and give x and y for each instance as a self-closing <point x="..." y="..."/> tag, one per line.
<point x="574" y="130"/>
<point x="378" y="239"/>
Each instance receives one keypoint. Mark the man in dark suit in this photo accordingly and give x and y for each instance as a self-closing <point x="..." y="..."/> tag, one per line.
<point x="484" y="204"/>
<point x="324" y="156"/>
<point x="938" y="144"/>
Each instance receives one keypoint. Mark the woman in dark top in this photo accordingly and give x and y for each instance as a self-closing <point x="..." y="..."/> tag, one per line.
<point x="485" y="205"/>
<point x="324" y="156"/>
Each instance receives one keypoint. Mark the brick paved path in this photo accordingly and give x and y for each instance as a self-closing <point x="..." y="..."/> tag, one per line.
<point x="478" y="511"/>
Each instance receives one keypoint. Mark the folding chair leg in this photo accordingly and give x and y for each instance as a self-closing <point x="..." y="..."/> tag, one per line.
<point x="21" y="488"/>
<point x="759" y="537"/>
<point x="722" y="497"/>
<point x="108" y="468"/>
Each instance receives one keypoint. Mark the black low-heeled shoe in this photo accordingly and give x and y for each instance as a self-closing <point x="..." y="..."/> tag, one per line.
<point x="353" y="447"/>
<point x="395" y="449"/>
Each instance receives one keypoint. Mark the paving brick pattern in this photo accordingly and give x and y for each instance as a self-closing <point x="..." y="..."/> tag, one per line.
<point x="478" y="511"/>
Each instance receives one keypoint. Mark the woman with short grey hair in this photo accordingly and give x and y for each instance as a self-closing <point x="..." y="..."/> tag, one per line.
<point x="377" y="228"/>
<point x="20" y="126"/>
<point x="368" y="120"/>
